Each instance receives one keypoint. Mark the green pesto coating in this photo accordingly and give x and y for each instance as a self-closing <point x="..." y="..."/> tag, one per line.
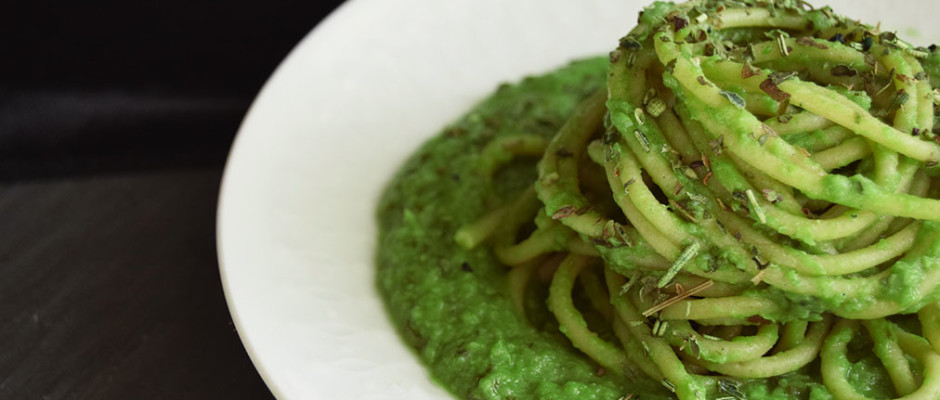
<point x="452" y="306"/>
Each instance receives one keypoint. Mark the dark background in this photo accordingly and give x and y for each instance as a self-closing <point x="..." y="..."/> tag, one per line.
<point x="115" y="120"/>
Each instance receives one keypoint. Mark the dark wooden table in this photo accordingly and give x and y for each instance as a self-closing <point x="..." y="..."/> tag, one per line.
<point x="115" y="120"/>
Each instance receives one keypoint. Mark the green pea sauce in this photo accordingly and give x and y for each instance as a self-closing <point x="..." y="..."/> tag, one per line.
<point x="452" y="306"/>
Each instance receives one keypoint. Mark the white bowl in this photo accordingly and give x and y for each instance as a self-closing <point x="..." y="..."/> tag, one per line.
<point x="363" y="90"/>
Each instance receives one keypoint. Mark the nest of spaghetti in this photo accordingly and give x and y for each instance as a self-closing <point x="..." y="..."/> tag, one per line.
<point x="753" y="195"/>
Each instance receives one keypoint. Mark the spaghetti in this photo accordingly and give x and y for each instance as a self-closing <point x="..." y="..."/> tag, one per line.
<point x="767" y="196"/>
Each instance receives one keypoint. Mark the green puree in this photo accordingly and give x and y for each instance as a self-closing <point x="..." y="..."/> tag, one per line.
<point x="452" y="306"/>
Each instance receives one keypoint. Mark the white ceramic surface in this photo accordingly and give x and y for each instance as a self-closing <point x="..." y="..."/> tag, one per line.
<point x="295" y="227"/>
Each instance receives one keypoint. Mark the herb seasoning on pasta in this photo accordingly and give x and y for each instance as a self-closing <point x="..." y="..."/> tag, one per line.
<point x="747" y="209"/>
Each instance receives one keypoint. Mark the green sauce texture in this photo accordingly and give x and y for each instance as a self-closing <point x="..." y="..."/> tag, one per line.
<point x="738" y="203"/>
<point x="451" y="305"/>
